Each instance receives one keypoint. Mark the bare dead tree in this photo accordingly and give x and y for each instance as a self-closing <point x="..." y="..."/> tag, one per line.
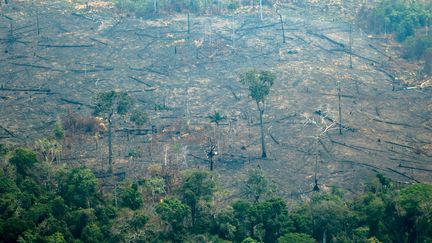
<point x="350" y="45"/>
<point x="324" y="124"/>
<point x="340" y="109"/>
<point x="261" y="10"/>
<point x="276" y="5"/>
<point x="211" y="152"/>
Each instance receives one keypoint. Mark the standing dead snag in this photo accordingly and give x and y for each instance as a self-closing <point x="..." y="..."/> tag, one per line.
<point x="261" y="10"/>
<point x="350" y="46"/>
<point x="340" y="109"/>
<point x="281" y="21"/>
<point x="259" y="83"/>
<point x="107" y="104"/>
<point x="211" y="152"/>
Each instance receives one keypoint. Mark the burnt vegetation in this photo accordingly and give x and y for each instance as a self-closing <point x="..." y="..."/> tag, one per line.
<point x="215" y="121"/>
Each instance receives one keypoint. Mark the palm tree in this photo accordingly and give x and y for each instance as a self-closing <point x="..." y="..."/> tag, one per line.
<point x="216" y="118"/>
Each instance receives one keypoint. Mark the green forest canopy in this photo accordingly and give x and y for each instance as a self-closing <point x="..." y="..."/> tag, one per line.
<point x="59" y="204"/>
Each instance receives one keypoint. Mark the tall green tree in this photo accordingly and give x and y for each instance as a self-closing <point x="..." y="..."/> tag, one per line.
<point x="330" y="216"/>
<point x="269" y="217"/>
<point x="107" y="104"/>
<point x="130" y="197"/>
<point x="79" y="188"/>
<point x="23" y="159"/>
<point x="197" y="186"/>
<point x="259" y="84"/>
<point x="176" y="215"/>
<point x="414" y="206"/>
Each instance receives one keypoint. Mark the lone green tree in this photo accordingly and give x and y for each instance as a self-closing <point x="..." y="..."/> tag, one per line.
<point x="259" y="84"/>
<point x="107" y="104"/>
<point x="256" y="185"/>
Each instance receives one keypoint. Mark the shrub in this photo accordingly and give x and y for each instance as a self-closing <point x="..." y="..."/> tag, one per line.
<point x="85" y="124"/>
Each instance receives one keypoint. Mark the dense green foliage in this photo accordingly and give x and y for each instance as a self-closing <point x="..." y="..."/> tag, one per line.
<point x="73" y="209"/>
<point x="144" y="8"/>
<point x="397" y="16"/>
<point x="410" y="23"/>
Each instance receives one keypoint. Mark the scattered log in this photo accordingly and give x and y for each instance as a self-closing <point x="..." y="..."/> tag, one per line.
<point x="403" y="174"/>
<point x="391" y="123"/>
<point x="5" y="16"/>
<point x="414" y="168"/>
<point x="343" y="96"/>
<point x="65" y="46"/>
<point x="102" y="69"/>
<point x="324" y="147"/>
<point x="233" y="93"/>
<point x="74" y="102"/>
<point x="379" y="51"/>
<point x="274" y="139"/>
<point x="356" y="147"/>
<point x="375" y="168"/>
<point x="148" y="69"/>
<point x="140" y="81"/>
<point x="257" y="27"/>
<point x="98" y="41"/>
<point x="31" y="65"/>
<point x="398" y="144"/>
<point x="25" y="90"/>
<point x="322" y="36"/>
<point x="7" y="131"/>
<point x="84" y="17"/>
<point x="391" y="76"/>
<point x="375" y="62"/>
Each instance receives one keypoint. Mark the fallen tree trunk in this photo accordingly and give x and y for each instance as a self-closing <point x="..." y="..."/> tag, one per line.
<point x="7" y="131"/>
<point x="31" y="65"/>
<point x="106" y="69"/>
<point x="398" y="144"/>
<point x="25" y="90"/>
<point x="403" y="174"/>
<point x="65" y="46"/>
<point x="379" y="51"/>
<point x="391" y="123"/>
<point x="74" y="102"/>
<point x="322" y="36"/>
<point x="414" y="168"/>
<point x="140" y="81"/>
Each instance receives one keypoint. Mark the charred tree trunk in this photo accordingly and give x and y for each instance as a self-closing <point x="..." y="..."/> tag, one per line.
<point x="263" y="146"/>
<point x="188" y="23"/>
<point x="37" y="22"/>
<point x="110" y="152"/>
<point x="261" y="10"/>
<point x="350" y="46"/>
<point x="283" y="29"/>
<point x="340" y="109"/>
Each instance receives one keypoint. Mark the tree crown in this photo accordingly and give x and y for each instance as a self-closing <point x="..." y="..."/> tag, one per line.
<point x="259" y="83"/>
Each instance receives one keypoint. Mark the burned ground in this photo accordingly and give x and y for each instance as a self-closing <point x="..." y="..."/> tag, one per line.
<point x="57" y="55"/>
